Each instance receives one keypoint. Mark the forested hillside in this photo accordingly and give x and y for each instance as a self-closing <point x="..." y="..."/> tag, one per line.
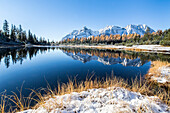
<point x="18" y="36"/>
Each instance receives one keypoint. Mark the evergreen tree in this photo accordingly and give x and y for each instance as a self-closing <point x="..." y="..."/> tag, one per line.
<point x="19" y="35"/>
<point x="20" y="28"/>
<point x="30" y="37"/>
<point x="35" y="39"/>
<point x="48" y="42"/>
<point x="24" y="36"/>
<point x="15" y="29"/>
<point x="6" y="28"/>
<point x="40" y="40"/>
<point x="12" y="36"/>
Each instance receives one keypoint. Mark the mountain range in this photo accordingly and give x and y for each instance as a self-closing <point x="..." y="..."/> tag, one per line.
<point x="129" y="29"/>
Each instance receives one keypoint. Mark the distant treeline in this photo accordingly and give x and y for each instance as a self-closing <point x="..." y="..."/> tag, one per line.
<point x="17" y="35"/>
<point x="159" y="37"/>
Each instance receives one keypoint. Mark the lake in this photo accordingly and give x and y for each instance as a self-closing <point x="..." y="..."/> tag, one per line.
<point x="34" y="66"/>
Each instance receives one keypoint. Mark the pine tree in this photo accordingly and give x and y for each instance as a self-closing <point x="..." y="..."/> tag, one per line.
<point x="6" y="28"/>
<point x="35" y="39"/>
<point x="24" y="36"/>
<point x="20" y="28"/>
<point x="12" y="36"/>
<point x="41" y="40"/>
<point x="19" y="35"/>
<point x="48" y="41"/>
<point x="15" y="29"/>
<point x="30" y="37"/>
<point x="44" y="41"/>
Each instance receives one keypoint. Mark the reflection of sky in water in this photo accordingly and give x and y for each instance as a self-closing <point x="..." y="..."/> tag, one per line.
<point x="58" y="66"/>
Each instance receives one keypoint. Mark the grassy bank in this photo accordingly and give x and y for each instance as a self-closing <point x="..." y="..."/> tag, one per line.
<point x="40" y="96"/>
<point x="160" y="72"/>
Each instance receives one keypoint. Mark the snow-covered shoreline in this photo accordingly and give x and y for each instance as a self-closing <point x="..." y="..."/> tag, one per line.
<point x="144" y="48"/>
<point x="159" y="72"/>
<point x="102" y="100"/>
<point x="162" y="77"/>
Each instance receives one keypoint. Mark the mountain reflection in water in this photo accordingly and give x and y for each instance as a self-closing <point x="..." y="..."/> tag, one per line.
<point x="107" y="57"/>
<point x="105" y="60"/>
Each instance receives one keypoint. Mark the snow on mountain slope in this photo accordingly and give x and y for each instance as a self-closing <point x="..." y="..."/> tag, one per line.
<point x="129" y="29"/>
<point x="112" y="30"/>
<point x="139" y="29"/>
<point x="84" y="32"/>
<point x="84" y="58"/>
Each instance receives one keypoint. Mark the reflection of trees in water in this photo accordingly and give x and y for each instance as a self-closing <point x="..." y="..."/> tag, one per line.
<point x="119" y="53"/>
<point x="19" y="54"/>
<point x="6" y="60"/>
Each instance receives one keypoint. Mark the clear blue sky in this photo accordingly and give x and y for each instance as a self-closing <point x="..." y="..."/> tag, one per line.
<point x="53" y="19"/>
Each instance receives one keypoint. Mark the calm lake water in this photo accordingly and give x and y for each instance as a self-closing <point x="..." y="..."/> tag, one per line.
<point x="33" y="66"/>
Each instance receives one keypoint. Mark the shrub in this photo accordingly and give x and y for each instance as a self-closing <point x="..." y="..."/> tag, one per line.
<point x="116" y="44"/>
<point x="129" y="45"/>
<point x="165" y="42"/>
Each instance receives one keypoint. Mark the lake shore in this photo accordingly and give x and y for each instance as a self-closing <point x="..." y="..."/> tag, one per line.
<point x="138" y="48"/>
<point x="112" y="95"/>
<point x="102" y="100"/>
<point x="11" y="46"/>
<point x="160" y="73"/>
<point x="26" y="45"/>
<point x="143" y="48"/>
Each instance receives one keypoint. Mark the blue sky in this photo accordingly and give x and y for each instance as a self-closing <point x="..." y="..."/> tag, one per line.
<point x="53" y="19"/>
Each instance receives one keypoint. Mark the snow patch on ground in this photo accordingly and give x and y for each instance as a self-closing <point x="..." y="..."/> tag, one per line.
<point x="110" y="100"/>
<point x="152" y="47"/>
<point x="145" y="48"/>
<point x="164" y="76"/>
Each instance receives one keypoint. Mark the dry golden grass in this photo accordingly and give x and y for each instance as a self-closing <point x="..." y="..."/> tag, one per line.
<point x="155" y="71"/>
<point x="156" y="65"/>
<point x="142" y="86"/>
<point x="3" y="102"/>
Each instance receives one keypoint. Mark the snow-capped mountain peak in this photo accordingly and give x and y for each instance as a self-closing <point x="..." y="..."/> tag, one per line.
<point x="139" y="29"/>
<point x="108" y="30"/>
<point x="112" y="30"/>
<point x="84" y="32"/>
<point x="84" y="28"/>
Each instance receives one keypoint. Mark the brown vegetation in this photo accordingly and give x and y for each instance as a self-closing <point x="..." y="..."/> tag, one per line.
<point x="155" y="70"/>
<point x="141" y="86"/>
<point x="156" y="65"/>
